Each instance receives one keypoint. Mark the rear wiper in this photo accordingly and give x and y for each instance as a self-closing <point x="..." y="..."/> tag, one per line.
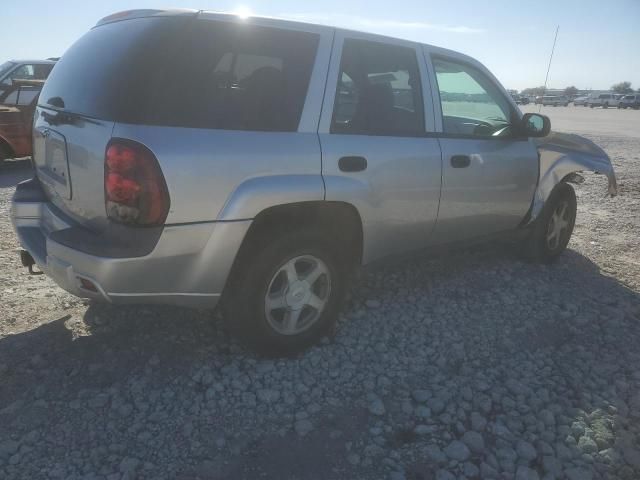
<point x="58" y="118"/>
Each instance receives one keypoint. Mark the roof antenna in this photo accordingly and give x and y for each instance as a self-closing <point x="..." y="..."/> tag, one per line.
<point x="549" y="67"/>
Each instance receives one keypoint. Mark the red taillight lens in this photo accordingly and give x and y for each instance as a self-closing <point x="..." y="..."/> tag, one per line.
<point x="134" y="187"/>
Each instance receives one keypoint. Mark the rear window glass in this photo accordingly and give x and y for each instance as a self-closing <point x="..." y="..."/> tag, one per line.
<point x="238" y="77"/>
<point x="107" y="73"/>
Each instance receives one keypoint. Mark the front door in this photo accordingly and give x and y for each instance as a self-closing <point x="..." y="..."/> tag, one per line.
<point x="375" y="151"/>
<point x="490" y="172"/>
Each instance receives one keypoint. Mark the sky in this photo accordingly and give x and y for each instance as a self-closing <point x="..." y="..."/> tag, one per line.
<point x="598" y="41"/>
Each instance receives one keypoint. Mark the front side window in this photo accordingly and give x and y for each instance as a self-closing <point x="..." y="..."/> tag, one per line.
<point x="472" y="105"/>
<point x="237" y="77"/>
<point x="378" y="91"/>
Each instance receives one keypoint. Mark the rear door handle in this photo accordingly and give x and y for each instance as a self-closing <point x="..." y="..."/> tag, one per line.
<point x="460" y="161"/>
<point x="352" y="164"/>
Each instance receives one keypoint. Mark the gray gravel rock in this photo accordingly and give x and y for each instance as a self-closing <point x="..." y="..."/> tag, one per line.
<point x="474" y="441"/>
<point x="303" y="427"/>
<point x="457" y="450"/>
<point x="526" y="473"/>
<point x="376" y="407"/>
<point x="445" y="475"/>
<point x="587" y="444"/>
<point x="478" y="422"/>
<point x="526" y="451"/>
<point x="578" y="473"/>
<point x="420" y="395"/>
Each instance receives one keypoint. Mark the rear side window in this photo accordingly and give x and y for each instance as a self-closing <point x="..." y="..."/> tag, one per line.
<point x="237" y="77"/>
<point x="379" y="91"/>
<point x="108" y="72"/>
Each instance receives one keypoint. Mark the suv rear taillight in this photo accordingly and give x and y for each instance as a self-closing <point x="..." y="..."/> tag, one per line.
<point x="134" y="188"/>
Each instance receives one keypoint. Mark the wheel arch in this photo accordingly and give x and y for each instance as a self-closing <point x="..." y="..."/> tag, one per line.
<point x="562" y="158"/>
<point x="339" y="221"/>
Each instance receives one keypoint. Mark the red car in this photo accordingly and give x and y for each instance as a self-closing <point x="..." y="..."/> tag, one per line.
<point x="17" y="105"/>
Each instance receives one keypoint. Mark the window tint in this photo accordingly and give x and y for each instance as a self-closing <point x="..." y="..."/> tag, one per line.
<point x="471" y="102"/>
<point x="378" y="91"/>
<point x="237" y="76"/>
<point x="109" y="71"/>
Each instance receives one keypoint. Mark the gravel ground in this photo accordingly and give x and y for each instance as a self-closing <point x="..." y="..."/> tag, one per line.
<point x="470" y="365"/>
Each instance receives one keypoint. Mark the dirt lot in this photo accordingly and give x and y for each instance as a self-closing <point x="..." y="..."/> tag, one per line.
<point x="471" y="365"/>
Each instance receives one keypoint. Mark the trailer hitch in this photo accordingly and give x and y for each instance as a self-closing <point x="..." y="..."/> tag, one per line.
<point x="28" y="261"/>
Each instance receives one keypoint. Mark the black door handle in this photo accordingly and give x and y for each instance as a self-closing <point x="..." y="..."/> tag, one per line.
<point x="352" y="164"/>
<point x="460" y="161"/>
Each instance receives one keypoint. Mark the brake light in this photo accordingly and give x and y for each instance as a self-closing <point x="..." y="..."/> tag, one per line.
<point x="134" y="187"/>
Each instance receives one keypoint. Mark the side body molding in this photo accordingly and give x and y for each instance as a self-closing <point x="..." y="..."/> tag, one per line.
<point x="563" y="154"/>
<point x="259" y="193"/>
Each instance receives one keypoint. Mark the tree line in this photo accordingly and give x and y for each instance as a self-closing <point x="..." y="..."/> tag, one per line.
<point x="622" y="87"/>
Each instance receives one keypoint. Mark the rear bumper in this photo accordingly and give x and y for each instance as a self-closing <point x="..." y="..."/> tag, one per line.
<point x="188" y="265"/>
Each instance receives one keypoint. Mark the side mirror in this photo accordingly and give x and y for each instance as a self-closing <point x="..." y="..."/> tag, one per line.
<point x="535" y="125"/>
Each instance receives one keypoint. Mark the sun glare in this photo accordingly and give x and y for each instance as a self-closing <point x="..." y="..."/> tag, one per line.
<point x="243" y="12"/>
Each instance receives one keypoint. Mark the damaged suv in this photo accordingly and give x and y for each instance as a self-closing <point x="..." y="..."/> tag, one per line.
<point x="200" y="159"/>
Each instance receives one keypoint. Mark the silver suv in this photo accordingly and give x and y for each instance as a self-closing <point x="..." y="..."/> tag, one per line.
<point x="199" y="159"/>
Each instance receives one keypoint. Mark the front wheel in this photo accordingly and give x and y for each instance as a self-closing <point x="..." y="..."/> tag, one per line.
<point x="287" y="293"/>
<point x="606" y="105"/>
<point x="553" y="228"/>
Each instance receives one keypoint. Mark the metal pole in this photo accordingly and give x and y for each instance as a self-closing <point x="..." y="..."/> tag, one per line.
<point x="549" y="67"/>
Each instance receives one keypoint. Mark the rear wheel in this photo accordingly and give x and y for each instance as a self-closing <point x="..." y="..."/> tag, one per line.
<point x="605" y="105"/>
<point x="553" y="227"/>
<point x="285" y="296"/>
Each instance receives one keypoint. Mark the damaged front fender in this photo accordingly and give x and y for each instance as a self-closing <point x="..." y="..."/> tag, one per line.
<point x="561" y="156"/>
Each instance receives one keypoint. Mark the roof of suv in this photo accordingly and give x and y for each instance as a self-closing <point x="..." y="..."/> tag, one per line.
<point x="141" y="13"/>
<point x="33" y="61"/>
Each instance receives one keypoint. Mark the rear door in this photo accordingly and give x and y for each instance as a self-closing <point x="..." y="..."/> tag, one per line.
<point x="104" y="77"/>
<point x="375" y="152"/>
<point x="489" y="173"/>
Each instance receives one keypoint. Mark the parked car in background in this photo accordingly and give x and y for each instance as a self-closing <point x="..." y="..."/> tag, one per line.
<point x="17" y="105"/>
<point x="555" y="100"/>
<point x="630" y="101"/>
<point x="581" y="100"/>
<point x="604" y="100"/>
<point x="521" y="99"/>
<point x="140" y="196"/>
<point x="24" y="70"/>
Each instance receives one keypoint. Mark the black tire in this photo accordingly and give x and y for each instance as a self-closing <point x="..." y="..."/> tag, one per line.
<point x="244" y="303"/>
<point x="5" y="154"/>
<point x="605" y="105"/>
<point x="591" y="105"/>
<point x="537" y="247"/>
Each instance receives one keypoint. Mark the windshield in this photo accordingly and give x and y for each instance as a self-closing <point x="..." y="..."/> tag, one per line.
<point x="5" y="67"/>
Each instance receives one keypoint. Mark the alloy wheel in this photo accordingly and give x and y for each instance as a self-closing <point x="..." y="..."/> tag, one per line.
<point x="297" y="294"/>
<point x="559" y="225"/>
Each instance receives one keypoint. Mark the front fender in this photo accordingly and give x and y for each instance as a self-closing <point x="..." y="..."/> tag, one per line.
<point x="257" y="194"/>
<point x="562" y="154"/>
